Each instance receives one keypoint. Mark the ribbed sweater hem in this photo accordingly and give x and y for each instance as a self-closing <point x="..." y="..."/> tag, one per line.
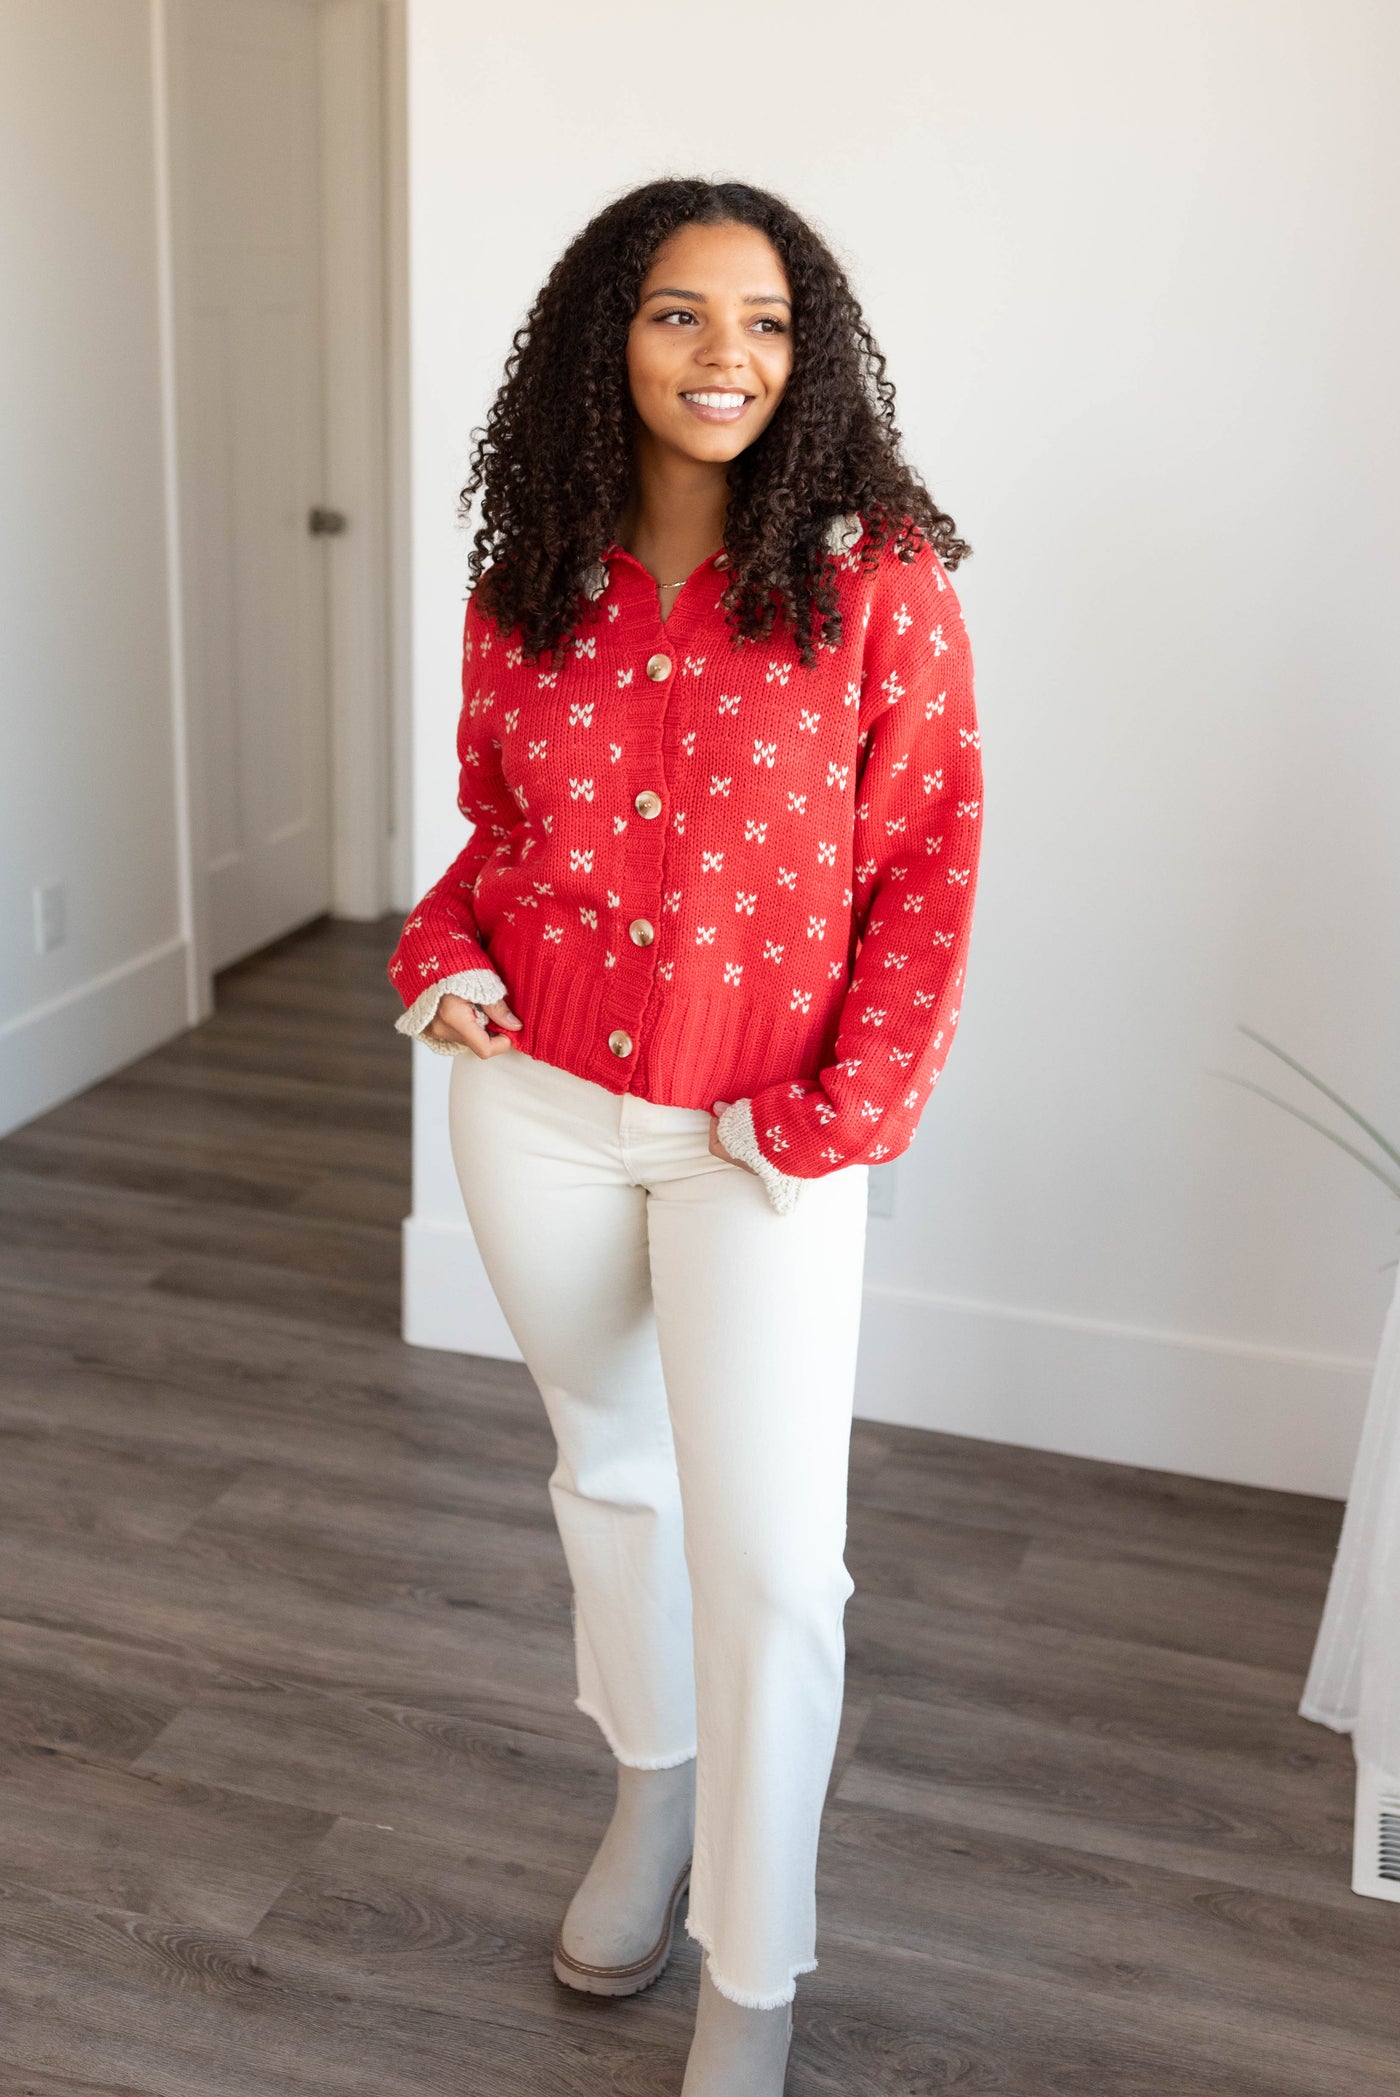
<point x="686" y="1052"/>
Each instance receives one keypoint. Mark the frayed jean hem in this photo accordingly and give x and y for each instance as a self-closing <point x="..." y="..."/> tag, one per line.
<point x="743" y="1996"/>
<point x="633" y="1761"/>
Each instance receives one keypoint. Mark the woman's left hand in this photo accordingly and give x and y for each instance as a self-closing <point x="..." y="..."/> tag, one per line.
<point x="717" y="1149"/>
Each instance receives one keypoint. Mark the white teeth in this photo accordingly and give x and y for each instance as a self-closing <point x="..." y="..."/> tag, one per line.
<point x="718" y="400"/>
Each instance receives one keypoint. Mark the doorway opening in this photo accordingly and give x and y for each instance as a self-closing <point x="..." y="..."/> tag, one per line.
<point x="285" y="194"/>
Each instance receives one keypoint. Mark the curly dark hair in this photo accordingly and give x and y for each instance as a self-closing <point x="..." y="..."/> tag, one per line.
<point x="555" y="455"/>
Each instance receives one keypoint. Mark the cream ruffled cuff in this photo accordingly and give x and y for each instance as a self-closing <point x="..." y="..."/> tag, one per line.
<point x="736" y="1133"/>
<point x="481" y="985"/>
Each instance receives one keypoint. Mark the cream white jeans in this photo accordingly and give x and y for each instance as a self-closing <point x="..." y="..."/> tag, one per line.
<point x="695" y="1352"/>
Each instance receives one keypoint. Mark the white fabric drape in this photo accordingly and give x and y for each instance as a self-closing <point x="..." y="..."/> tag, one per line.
<point x="1353" y="1684"/>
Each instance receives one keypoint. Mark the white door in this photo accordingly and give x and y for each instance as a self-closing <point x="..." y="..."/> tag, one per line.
<point x="245" y="164"/>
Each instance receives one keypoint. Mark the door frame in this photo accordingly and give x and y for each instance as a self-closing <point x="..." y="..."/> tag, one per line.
<point x="365" y="376"/>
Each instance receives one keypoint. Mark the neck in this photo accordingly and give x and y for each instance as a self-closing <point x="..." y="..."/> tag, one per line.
<point x="675" y="511"/>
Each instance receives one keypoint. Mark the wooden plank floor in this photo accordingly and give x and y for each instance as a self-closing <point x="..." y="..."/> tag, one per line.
<point x="292" y="1789"/>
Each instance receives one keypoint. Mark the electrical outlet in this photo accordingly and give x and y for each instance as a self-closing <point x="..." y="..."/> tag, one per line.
<point x="881" y="1186"/>
<point x="50" y="917"/>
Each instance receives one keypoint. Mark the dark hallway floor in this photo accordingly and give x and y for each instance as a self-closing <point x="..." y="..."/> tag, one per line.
<point x="292" y="1790"/>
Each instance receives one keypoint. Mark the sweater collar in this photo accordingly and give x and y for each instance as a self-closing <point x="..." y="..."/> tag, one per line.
<point x="841" y="534"/>
<point x="598" y="575"/>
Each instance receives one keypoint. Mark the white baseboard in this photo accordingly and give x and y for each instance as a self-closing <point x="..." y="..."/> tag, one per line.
<point x="77" y="1039"/>
<point x="1245" y="1413"/>
<point x="1206" y="1407"/>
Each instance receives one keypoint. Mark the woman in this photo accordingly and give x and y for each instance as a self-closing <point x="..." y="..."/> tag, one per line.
<point x="700" y="964"/>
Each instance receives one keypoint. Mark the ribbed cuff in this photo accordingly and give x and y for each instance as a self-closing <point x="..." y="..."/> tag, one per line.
<point x="736" y="1133"/>
<point x="481" y="985"/>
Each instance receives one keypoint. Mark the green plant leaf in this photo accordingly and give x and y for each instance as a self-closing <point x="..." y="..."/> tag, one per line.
<point x="1321" y="1127"/>
<point x="1336" y="1098"/>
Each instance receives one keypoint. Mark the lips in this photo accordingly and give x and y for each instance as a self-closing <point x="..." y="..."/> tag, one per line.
<point x="709" y="412"/>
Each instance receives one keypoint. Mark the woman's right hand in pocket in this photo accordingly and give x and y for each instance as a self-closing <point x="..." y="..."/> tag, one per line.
<point x="456" y="1020"/>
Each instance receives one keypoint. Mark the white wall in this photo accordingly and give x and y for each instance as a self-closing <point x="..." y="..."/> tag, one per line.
<point x="94" y="787"/>
<point x="88" y="785"/>
<point x="1132" y="268"/>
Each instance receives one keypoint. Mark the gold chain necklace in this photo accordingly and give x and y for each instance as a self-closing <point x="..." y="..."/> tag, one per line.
<point x="675" y="585"/>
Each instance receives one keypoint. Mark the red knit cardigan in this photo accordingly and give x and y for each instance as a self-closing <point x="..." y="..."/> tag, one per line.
<point x="701" y="872"/>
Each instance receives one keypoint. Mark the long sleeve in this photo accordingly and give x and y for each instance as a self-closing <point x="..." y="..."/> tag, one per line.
<point x="439" y="948"/>
<point x="918" y="829"/>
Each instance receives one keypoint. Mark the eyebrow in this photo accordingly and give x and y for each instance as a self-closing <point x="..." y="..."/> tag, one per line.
<point x="754" y="298"/>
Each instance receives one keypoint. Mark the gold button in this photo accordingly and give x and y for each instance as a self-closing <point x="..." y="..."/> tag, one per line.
<point x="643" y="931"/>
<point x="647" y="803"/>
<point x="658" y="666"/>
<point x="620" y="1042"/>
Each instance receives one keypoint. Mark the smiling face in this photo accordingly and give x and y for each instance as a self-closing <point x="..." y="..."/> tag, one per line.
<point x="709" y="350"/>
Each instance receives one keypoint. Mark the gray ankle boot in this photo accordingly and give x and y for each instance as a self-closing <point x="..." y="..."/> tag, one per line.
<point x="618" y="1930"/>
<point x="736" y="2051"/>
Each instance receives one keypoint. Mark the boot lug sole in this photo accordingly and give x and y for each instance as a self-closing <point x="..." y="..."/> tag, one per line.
<point x="637" y="1974"/>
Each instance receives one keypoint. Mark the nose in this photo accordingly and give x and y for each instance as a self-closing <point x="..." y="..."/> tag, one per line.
<point x="726" y="348"/>
<point x="732" y="372"/>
